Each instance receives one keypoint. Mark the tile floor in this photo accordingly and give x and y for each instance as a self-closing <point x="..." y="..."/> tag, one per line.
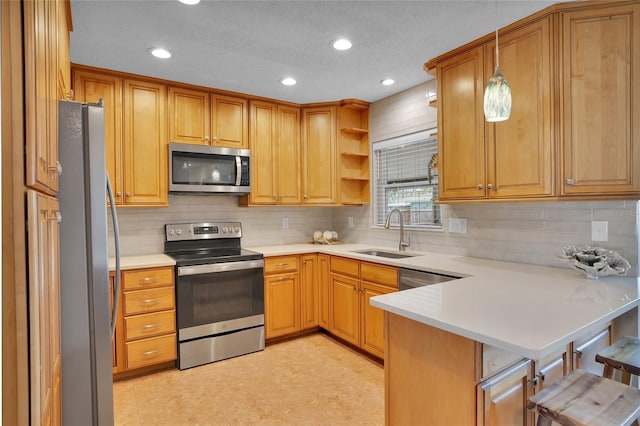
<point x="311" y="380"/>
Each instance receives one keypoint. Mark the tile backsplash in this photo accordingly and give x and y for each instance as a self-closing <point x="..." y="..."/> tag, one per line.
<point x="521" y="232"/>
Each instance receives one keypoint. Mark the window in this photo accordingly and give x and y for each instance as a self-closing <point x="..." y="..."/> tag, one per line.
<point x="405" y="178"/>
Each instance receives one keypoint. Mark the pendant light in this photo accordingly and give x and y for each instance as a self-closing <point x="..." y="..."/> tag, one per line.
<point x="497" y="95"/>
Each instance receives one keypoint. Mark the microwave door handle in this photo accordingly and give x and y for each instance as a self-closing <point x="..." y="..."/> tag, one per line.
<point x="238" y="170"/>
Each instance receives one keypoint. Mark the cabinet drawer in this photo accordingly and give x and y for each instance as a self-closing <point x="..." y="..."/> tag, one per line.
<point x="280" y="264"/>
<point x="144" y="278"/>
<point x="375" y="273"/>
<point x="341" y="265"/>
<point x="151" y="351"/>
<point x="148" y="325"/>
<point x="152" y="300"/>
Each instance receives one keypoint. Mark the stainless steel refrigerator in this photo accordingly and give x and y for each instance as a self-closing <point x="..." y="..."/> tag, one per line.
<point x="86" y="326"/>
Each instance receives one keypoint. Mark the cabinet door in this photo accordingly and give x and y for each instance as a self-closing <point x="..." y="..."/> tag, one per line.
<point x="282" y="305"/>
<point x="600" y="96"/>
<point x="230" y="121"/>
<point x="44" y="308"/>
<point x="372" y="319"/>
<point x="288" y="155"/>
<point x="344" y="308"/>
<point x="264" y="162"/>
<point x="502" y="399"/>
<point x="64" y="65"/>
<point x="145" y="144"/>
<point x="189" y="116"/>
<point x="91" y="87"/>
<point x="318" y="155"/>
<point x="519" y="150"/>
<point x="309" y="291"/>
<point x="553" y="369"/>
<point x="323" y="290"/>
<point x="461" y="148"/>
<point x="41" y="118"/>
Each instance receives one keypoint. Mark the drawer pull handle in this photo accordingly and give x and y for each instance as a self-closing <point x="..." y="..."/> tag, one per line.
<point x="149" y="353"/>
<point x="149" y="301"/>
<point x="147" y="280"/>
<point x="149" y="326"/>
<point x="281" y="265"/>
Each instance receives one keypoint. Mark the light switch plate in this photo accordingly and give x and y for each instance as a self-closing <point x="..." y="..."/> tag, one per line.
<point x="285" y="223"/>
<point x="350" y="221"/>
<point x="599" y="230"/>
<point x="457" y="225"/>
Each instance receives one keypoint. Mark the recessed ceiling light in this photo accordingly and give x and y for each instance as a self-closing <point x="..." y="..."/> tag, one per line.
<point x="342" y="44"/>
<point x="387" y="81"/>
<point x="159" y="52"/>
<point x="189" y="2"/>
<point x="288" y="81"/>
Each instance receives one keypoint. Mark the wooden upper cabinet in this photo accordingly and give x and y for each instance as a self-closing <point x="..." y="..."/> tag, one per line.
<point x="229" y="121"/>
<point x="264" y="152"/>
<point x="520" y="160"/>
<point x="189" y="116"/>
<point x="461" y="147"/>
<point x="64" y="65"/>
<point x="90" y="86"/>
<point x="144" y="143"/>
<point x="41" y="94"/>
<point x="601" y="100"/>
<point x="288" y="120"/>
<point x="319" y="155"/>
<point x="203" y="118"/>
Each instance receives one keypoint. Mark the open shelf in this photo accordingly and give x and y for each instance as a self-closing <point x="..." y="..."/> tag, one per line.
<point x="354" y="154"/>
<point x="354" y="130"/>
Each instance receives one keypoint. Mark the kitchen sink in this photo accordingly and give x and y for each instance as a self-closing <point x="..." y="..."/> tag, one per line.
<point x="383" y="253"/>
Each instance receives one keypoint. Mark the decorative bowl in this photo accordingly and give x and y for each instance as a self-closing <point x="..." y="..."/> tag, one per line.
<point x="595" y="262"/>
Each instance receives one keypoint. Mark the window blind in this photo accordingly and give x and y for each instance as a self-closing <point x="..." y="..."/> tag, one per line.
<point x="405" y="178"/>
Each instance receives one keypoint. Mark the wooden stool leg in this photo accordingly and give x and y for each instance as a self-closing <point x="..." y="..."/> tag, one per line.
<point x="544" y="421"/>
<point x="608" y="371"/>
<point x="626" y="377"/>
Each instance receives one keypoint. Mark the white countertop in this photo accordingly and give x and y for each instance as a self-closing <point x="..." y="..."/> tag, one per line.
<point x="526" y="309"/>
<point x="144" y="261"/>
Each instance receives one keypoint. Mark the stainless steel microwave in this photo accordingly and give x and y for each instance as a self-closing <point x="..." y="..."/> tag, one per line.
<point x="206" y="169"/>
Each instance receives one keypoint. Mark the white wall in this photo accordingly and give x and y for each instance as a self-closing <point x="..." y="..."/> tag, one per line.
<point x="530" y="232"/>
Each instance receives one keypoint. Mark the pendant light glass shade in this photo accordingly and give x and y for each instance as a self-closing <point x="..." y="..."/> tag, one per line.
<point x="497" y="95"/>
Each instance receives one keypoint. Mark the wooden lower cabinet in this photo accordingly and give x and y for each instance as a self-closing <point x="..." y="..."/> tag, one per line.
<point x="323" y="272"/>
<point x="146" y="319"/>
<point x="309" y="291"/>
<point x="372" y="319"/>
<point x="344" y="308"/>
<point x="281" y="296"/>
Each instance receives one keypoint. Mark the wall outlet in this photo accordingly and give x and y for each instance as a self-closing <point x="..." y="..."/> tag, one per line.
<point x="599" y="230"/>
<point x="350" y="221"/>
<point x="285" y="223"/>
<point x="457" y="225"/>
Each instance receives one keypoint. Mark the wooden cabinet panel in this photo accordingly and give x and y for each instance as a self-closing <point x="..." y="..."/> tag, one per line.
<point x="282" y="304"/>
<point x="230" y="121"/>
<point x="319" y="155"/>
<point x="600" y="100"/>
<point x="288" y="155"/>
<point x="142" y="301"/>
<point x="145" y="278"/>
<point x="149" y="325"/>
<point x="44" y="307"/>
<point x="344" y="266"/>
<point x="309" y="291"/>
<point x="91" y="87"/>
<point x="502" y="399"/>
<point x="323" y="290"/>
<point x="382" y="274"/>
<point x="280" y="264"/>
<point x="189" y="116"/>
<point x="461" y="147"/>
<point x="264" y="153"/>
<point x="520" y="150"/>
<point x="144" y="147"/>
<point x="64" y="65"/>
<point x="142" y="353"/>
<point x="372" y="336"/>
<point x="344" y="304"/>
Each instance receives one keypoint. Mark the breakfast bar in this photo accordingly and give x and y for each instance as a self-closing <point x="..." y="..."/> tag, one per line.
<point x="443" y="339"/>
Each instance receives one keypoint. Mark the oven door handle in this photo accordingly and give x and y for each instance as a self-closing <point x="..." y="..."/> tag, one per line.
<point x="219" y="267"/>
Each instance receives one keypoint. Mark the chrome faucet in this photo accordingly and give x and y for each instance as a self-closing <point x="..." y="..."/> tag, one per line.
<point x="402" y="244"/>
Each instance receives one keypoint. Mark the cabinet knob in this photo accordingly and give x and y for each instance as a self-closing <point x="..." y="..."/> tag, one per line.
<point x="275" y="197"/>
<point x="480" y="186"/>
<point x="127" y="194"/>
<point x="215" y="138"/>
<point x="57" y="168"/>
<point x="569" y="181"/>
<point x="118" y="194"/>
<point x="490" y="186"/>
<point x="304" y="196"/>
<point x="533" y="381"/>
<point x="207" y="138"/>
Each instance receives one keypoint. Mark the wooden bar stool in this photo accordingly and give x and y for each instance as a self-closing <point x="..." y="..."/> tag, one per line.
<point x="582" y="398"/>
<point x="623" y="355"/>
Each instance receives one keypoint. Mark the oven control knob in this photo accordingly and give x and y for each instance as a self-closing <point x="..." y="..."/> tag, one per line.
<point x="225" y="230"/>
<point x="171" y="232"/>
<point x="179" y="231"/>
<point x="237" y="229"/>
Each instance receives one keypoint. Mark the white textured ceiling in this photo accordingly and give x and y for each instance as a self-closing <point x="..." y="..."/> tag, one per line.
<point x="248" y="46"/>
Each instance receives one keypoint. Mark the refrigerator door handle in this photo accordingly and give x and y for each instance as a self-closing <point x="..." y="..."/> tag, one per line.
<point x="116" y="237"/>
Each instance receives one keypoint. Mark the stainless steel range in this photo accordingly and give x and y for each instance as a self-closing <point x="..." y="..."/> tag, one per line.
<point x="219" y="292"/>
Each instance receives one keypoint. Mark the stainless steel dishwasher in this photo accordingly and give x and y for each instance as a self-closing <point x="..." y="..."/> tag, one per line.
<point x="410" y="278"/>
